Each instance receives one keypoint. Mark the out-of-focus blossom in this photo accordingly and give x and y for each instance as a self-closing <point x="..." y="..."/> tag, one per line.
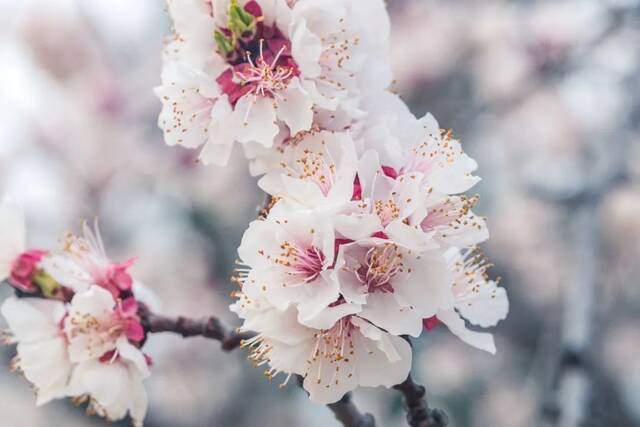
<point x="81" y="335"/>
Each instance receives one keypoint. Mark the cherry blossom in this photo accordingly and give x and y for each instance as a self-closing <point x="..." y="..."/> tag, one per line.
<point x="337" y="353"/>
<point x="259" y="71"/>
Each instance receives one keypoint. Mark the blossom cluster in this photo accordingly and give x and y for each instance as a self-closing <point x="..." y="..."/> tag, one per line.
<point x="75" y="320"/>
<point x="369" y="237"/>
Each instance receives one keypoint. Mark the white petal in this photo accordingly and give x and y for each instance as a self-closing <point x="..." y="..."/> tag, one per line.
<point x="186" y="112"/>
<point x="46" y="365"/>
<point x="467" y="231"/>
<point x="66" y="271"/>
<point x="255" y="120"/>
<point x="96" y="301"/>
<point x="356" y="227"/>
<point x="456" y="177"/>
<point x="410" y="236"/>
<point x="294" y="107"/>
<point x="383" y="310"/>
<point x="480" y="340"/>
<point x="220" y="139"/>
<point x="424" y="284"/>
<point x="33" y="319"/>
<point x="485" y="307"/>
<point x="306" y="49"/>
<point x="381" y="358"/>
<point x="134" y="355"/>
<point x="328" y="317"/>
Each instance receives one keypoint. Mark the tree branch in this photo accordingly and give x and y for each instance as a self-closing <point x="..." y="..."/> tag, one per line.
<point x="208" y="327"/>
<point x="348" y="414"/>
<point x="418" y="412"/>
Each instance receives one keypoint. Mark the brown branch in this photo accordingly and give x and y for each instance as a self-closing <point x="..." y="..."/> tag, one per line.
<point x="418" y="412"/>
<point x="348" y="414"/>
<point x="208" y="327"/>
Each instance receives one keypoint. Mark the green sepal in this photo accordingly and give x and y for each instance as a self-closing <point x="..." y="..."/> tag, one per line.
<point x="239" y="20"/>
<point x="46" y="283"/>
<point x="225" y="44"/>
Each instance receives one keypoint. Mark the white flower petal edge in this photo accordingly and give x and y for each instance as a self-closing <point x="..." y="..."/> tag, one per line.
<point x="42" y="353"/>
<point x="479" y="300"/>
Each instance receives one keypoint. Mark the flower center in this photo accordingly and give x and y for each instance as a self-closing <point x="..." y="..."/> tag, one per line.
<point x="380" y="265"/>
<point x="97" y="332"/>
<point x="312" y="166"/>
<point x="438" y="150"/>
<point x="259" y="55"/>
<point x="304" y="264"/>
<point x="449" y="212"/>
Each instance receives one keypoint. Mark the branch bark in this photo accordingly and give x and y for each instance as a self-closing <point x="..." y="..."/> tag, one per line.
<point x="418" y="412"/>
<point x="207" y="327"/>
<point x="348" y="414"/>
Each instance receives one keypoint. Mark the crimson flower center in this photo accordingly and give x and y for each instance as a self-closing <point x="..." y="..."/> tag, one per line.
<point x="261" y="64"/>
<point x="380" y="265"/>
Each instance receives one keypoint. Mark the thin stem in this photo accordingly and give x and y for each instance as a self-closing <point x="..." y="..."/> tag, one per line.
<point x="348" y="414"/>
<point x="418" y="412"/>
<point x="207" y="327"/>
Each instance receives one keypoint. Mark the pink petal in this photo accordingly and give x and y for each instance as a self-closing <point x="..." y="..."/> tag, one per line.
<point x="135" y="331"/>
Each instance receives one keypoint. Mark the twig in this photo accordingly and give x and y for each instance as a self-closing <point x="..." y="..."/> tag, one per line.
<point x="348" y="414"/>
<point x="418" y="412"/>
<point x="208" y="327"/>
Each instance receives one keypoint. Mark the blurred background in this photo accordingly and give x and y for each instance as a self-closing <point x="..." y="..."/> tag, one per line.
<point x="544" y="94"/>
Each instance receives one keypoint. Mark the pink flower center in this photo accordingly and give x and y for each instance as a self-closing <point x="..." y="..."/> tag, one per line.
<point x="261" y="63"/>
<point x="302" y="263"/>
<point x="379" y="267"/>
<point x="117" y="278"/>
<point x="108" y="327"/>
<point x="448" y="212"/>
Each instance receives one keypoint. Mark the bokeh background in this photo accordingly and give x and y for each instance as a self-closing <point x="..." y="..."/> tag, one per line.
<point x="544" y="94"/>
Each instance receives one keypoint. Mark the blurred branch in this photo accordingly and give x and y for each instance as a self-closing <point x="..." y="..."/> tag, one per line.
<point x="208" y="327"/>
<point x="348" y="414"/>
<point x="418" y="412"/>
<point x="573" y="383"/>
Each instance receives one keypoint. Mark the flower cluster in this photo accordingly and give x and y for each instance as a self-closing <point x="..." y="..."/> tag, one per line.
<point x="75" y="321"/>
<point x="370" y="237"/>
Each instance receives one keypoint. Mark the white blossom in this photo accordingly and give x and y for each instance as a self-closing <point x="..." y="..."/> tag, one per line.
<point x="288" y="260"/>
<point x="34" y="326"/>
<point x="259" y="71"/>
<point x="477" y="299"/>
<point x="396" y="286"/>
<point x="336" y="354"/>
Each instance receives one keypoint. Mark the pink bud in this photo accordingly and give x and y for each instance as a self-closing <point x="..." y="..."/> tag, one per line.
<point x="357" y="189"/>
<point x="24" y="268"/>
<point x="431" y="323"/>
<point x="390" y="172"/>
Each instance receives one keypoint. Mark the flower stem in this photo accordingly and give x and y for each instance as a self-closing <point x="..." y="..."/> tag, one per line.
<point x="207" y="327"/>
<point x="418" y="412"/>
